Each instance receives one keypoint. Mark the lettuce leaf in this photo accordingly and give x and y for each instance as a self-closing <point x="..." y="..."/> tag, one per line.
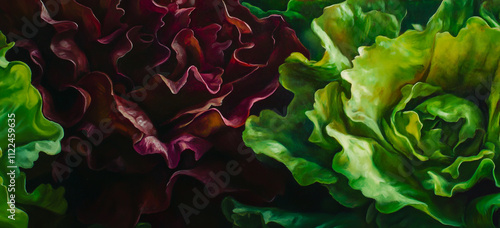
<point x="33" y="134"/>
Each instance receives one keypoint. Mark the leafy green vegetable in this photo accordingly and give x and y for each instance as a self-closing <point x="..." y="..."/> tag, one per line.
<point x="408" y="122"/>
<point x="355" y="22"/>
<point x="20" y="101"/>
<point x="490" y="11"/>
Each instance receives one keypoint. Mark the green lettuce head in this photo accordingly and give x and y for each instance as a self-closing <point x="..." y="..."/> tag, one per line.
<point x="409" y="124"/>
<point x="25" y="132"/>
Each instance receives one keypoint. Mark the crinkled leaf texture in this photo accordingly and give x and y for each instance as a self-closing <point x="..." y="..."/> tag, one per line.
<point x="355" y="22"/>
<point x="299" y="14"/>
<point x="33" y="134"/>
<point x="411" y="122"/>
<point x="152" y="86"/>
<point x="166" y="75"/>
